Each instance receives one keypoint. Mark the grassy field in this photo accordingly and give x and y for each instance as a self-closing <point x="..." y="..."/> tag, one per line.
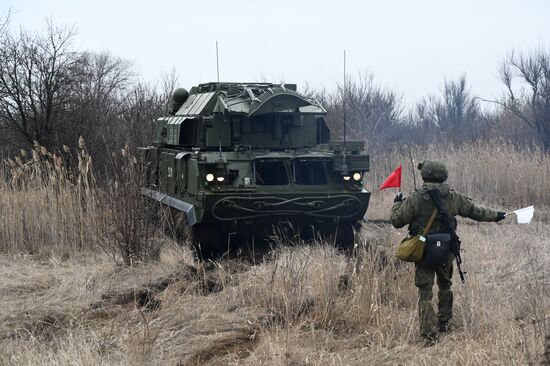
<point x="63" y="301"/>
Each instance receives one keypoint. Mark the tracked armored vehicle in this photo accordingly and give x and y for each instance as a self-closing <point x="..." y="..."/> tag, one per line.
<point x="239" y="160"/>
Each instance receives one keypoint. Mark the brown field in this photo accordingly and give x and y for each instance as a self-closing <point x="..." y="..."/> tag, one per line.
<point x="64" y="301"/>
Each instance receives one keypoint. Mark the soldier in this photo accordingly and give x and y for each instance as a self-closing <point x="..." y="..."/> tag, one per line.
<point x="415" y="211"/>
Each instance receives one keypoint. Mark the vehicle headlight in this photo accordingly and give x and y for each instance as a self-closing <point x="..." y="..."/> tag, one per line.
<point x="346" y="177"/>
<point x="220" y="179"/>
<point x="209" y="177"/>
<point x="357" y="176"/>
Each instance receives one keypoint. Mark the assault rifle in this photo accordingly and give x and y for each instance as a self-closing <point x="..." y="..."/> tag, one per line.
<point x="447" y="221"/>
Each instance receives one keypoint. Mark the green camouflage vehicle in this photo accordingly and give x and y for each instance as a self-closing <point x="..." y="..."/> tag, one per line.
<point x="240" y="159"/>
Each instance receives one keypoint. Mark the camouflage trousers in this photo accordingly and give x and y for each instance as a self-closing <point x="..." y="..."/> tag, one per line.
<point x="424" y="280"/>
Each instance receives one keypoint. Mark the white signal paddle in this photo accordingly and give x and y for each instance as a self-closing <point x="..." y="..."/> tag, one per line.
<point x="524" y="215"/>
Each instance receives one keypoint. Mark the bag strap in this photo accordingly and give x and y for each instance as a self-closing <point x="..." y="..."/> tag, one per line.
<point x="430" y="222"/>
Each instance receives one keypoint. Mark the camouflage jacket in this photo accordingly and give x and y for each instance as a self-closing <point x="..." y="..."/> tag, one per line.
<point x="416" y="210"/>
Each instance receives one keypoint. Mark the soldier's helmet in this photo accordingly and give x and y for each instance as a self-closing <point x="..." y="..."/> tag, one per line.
<point x="433" y="171"/>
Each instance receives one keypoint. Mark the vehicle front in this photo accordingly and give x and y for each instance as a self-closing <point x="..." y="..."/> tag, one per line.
<point x="244" y="158"/>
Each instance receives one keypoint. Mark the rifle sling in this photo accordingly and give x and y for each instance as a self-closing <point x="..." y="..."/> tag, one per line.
<point x="436" y="199"/>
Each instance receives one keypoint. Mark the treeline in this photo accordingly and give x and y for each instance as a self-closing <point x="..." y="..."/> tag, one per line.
<point x="52" y="93"/>
<point x="454" y="115"/>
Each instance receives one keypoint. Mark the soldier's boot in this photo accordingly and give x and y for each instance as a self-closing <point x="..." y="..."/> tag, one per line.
<point x="430" y="341"/>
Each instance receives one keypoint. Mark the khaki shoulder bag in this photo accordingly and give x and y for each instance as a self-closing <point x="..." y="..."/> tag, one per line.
<point x="412" y="249"/>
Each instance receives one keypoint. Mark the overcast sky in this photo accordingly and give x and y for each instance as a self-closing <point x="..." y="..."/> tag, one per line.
<point x="409" y="45"/>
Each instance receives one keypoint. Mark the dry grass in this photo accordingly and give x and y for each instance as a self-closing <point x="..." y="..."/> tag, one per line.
<point x="307" y="305"/>
<point x="303" y="305"/>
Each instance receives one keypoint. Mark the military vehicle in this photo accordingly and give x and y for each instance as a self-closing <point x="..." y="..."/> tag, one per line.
<point x="239" y="160"/>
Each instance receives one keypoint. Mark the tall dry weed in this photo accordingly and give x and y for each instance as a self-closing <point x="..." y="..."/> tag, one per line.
<point x="132" y="215"/>
<point x="52" y="202"/>
<point x="48" y="204"/>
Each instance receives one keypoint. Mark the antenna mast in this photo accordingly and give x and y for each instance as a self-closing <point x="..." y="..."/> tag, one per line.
<point x="217" y="64"/>
<point x="344" y="102"/>
<point x="218" y="90"/>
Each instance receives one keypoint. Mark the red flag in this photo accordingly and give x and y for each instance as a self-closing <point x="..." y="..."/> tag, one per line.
<point x="394" y="180"/>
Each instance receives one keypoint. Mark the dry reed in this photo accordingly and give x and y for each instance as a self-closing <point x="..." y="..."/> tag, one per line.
<point x="497" y="173"/>
<point x="47" y="203"/>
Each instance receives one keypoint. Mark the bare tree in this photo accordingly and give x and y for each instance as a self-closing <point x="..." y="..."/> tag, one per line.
<point x="5" y="21"/>
<point x="103" y="81"/>
<point x="53" y="94"/>
<point x="530" y="100"/>
<point x="36" y="80"/>
<point x="138" y="111"/>
<point x="455" y="114"/>
<point x="371" y="111"/>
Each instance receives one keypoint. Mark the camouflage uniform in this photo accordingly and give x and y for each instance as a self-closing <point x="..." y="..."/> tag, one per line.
<point x="415" y="211"/>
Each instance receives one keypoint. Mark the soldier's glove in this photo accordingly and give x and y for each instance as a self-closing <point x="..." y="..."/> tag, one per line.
<point x="398" y="198"/>
<point x="500" y="216"/>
